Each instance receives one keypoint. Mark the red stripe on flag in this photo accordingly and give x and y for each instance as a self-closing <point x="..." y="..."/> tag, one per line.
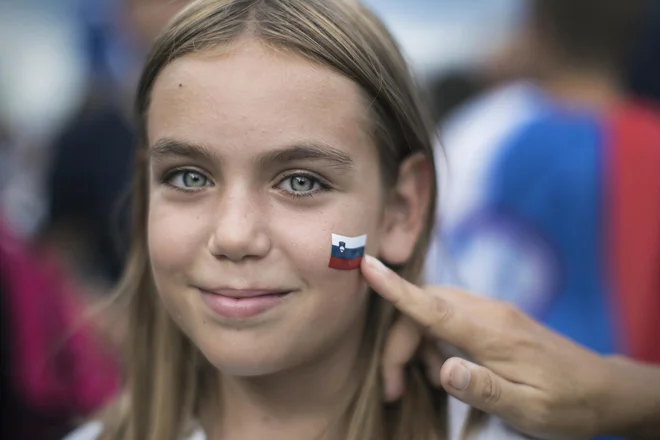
<point x="342" y="264"/>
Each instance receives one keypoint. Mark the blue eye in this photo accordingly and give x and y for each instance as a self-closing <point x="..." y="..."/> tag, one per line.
<point x="188" y="180"/>
<point x="301" y="184"/>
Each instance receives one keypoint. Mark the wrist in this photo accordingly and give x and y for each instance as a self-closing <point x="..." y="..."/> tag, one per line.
<point x="629" y="399"/>
<point x="611" y="396"/>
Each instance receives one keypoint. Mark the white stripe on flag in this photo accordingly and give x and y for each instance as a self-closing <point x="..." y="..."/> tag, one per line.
<point x="351" y="242"/>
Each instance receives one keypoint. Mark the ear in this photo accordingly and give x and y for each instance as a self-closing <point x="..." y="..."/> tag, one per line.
<point x="406" y="209"/>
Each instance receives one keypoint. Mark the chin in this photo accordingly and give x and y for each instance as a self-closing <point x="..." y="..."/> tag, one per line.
<point x="243" y="353"/>
<point x="246" y="370"/>
<point x="247" y="364"/>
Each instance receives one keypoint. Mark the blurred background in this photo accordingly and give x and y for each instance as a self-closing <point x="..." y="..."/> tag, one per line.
<point x="548" y="162"/>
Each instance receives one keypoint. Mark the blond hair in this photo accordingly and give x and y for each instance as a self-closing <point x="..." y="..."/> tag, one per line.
<point x="165" y="371"/>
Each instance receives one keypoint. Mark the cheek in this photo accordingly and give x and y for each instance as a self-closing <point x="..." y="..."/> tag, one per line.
<point x="175" y="236"/>
<point x="307" y="244"/>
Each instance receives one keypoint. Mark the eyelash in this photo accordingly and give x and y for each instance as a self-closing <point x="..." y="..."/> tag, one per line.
<point x="323" y="185"/>
<point x="167" y="178"/>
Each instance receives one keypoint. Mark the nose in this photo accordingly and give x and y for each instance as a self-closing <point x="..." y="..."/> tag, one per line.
<point x="240" y="228"/>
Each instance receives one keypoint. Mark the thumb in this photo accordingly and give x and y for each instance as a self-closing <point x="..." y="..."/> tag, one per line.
<point x="480" y="388"/>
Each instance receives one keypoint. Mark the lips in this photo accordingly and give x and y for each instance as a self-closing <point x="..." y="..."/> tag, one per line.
<point x="238" y="304"/>
<point x="244" y="293"/>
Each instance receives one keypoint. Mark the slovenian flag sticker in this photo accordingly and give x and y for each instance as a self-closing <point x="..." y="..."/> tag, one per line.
<point x="347" y="252"/>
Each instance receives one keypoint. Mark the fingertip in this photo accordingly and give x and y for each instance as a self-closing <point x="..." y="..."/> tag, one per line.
<point x="372" y="263"/>
<point x="434" y="377"/>
<point x="455" y="375"/>
<point x="481" y="388"/>
<point x="364" y="265"/>
<point x="377" y="276"/>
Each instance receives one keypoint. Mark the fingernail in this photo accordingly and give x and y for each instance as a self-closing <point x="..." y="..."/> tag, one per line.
<point x="459" y="377"/>
<point x="376" y="264"/>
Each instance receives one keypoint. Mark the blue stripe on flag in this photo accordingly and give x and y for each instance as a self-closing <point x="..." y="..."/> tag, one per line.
<point x="348" y="254"/>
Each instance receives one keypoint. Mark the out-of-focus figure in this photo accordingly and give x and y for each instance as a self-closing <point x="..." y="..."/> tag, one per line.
<point x="551" y="192"/>
<point x="41" y="80"/>
<point x="58" y="201"/>
<point x="550" y="183"/>
<point x="92" y="158"/>
<point x="551" y="197"/>
<point x="54" y="367"/>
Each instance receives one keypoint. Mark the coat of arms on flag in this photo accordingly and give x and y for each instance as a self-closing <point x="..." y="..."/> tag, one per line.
<point x="347" y="252"/>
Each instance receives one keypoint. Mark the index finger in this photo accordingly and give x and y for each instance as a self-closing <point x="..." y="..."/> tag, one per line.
<point x="440" y="317"/>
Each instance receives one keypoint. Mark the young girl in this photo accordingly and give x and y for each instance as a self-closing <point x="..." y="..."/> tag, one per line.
<point x="267" y="126"/>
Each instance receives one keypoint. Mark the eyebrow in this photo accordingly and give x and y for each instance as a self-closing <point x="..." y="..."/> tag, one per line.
<point x="172" y="147"/>
<point x="309" y="151"/>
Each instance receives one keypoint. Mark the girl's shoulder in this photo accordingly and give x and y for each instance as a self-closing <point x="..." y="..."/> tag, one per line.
<point x="93" y="430"/>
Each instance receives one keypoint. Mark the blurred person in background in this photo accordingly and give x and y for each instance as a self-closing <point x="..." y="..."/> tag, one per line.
<point x="56" y="249"/>
<point x="92" y="157"/>
<point x="451" y="90"/>
<point x="55" y="370"/>
<point x="551" y="194"/>
<point x="40" y="84"/>
<point x="52" y="369"/>
<point x="538" y="167"/>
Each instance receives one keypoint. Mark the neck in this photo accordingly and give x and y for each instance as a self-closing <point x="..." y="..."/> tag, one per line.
<point x="304" y="402"/>
<point x="585" y="89"/>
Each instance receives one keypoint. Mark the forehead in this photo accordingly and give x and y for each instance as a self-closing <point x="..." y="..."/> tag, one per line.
<point x="253" y="98"/>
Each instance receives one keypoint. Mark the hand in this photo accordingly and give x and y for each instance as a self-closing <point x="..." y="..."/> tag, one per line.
<point x="539" y="382"/>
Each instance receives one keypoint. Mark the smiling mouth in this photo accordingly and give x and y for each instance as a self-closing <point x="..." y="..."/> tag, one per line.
<point x="240" y="294"/>
<point x="242" y="304"/>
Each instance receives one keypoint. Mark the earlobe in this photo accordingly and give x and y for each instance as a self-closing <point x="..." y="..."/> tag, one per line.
<point x="407" y="209"/>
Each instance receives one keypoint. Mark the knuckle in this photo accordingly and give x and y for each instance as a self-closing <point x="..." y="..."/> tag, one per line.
<point x="491" y="392"/>
<point x="405" y="295"/>
<point x="441" y="313"/>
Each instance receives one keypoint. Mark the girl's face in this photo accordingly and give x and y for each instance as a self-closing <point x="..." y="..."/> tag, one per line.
<point x="256" y="158"/>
